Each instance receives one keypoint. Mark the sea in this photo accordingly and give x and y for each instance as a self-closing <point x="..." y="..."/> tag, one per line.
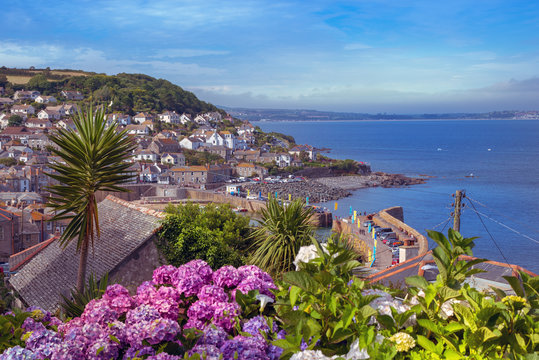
<point x="496" y="163"/>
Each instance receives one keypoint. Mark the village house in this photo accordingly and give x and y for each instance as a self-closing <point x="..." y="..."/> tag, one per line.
<point x="137" y="129"/>
<point x="127" y="239"/>
<point x="150" y="173"/>
<point x="6" y="101"/>
<point x="311" y="151"/>
<point x="173" y="159"/>
<point x="43" y="99"/>
<point x="247" y="155"/>
<point x="169" y="117"/>
<point x="203" y="177"/>
<point x="185" y="118"/>
<point x="246" y="128"/>
<point x="72" y="95"/>
<point x="25" y="95"/>
<point x="142" y="117"/>
<point x="49" y="115"/>
<point x="201" y="120"/>
<point x="20" y="133"/>
<point x="215" y="139"/>
<point x="36" y="123"/>
<point x="23" y="110"/>
<point x="229" y="140"/>
<point x="191" y="143"/>
<point x="9" y="239"/>
<point x="118" y="118"/>
<point x="222" y="151"/>
<point x="145" y="155"/>
<point x="213" y="116"/>
<point x="160" y="146"/>
<point x="250" y="169"/>
<point x="39" y="141"/>
<point x="4" y="120"/>
<point x="66" y="124"/>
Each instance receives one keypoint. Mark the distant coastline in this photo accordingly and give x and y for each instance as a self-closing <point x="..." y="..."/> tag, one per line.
<point x="317" y="116"/>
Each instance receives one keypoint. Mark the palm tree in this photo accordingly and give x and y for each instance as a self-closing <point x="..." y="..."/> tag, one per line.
<point x="281" y="232"/>
<point x="93" y="159"/>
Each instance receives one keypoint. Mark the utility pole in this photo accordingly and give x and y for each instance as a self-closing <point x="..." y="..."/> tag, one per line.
<point x="458" y="204"/>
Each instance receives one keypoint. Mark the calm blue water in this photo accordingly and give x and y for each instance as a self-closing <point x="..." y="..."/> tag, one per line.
<point x="505" y="186"/>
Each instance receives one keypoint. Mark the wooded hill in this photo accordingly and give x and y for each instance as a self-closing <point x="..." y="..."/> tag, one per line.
<point x="129" y="93"/>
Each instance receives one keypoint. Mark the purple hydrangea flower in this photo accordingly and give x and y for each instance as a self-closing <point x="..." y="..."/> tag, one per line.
<point x="255" y="283"/>
<point x="225" y="315"/>
<point x="165" y="275"/>
<point x="42" y="342"/>
<point x="98" y="311"/>
<point x="201" y="310"/>
<point x="212" y="293"/>
<point x="226" y="277"/>
<point x="202" y="268"/>
<point x="30" y="324"/>
<point x="244" y="348"/>
<point x="252" y="270"/>
<point x="207" y="352"/>
<point x="190" y="286"/>
<point x="118" y="298"/>
<point x="213" y="335"/>
<point x="102" y="349"/>
<point x="257" y="325"/>
<point x="17" y="353"/>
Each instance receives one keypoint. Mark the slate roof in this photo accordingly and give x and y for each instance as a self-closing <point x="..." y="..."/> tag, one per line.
<point x="53" y="270"/>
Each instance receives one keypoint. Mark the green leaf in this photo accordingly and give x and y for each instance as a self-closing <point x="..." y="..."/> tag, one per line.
<point x="333" y="305"/>
<point x="515" y="284"/>
<point x="294" y="291"/>
<point x="429" y="325"/>
<point x="417" y="281"/>
<point x="426" y="344"/>
<point x="301" y="279"/>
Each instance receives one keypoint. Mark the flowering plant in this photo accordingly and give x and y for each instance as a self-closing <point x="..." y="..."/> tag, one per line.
<point x="183" y="309"/>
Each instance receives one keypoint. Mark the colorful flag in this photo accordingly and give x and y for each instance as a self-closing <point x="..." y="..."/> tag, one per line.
<point x="289" y="197"/>
<point x="336" y="206"/>
<point x="307" y="201"/>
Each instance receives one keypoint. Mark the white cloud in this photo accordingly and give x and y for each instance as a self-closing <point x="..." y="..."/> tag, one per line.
<point x="89" y="59"/>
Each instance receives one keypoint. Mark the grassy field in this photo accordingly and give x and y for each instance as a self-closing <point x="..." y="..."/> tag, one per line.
<point x="16" y="79"/>
<point x="23" y="79"/>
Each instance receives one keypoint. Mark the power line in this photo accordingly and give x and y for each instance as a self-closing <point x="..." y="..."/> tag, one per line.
<point x="505" y="226"/>
<point x="505" y="216"/>
<point x="488" y="232"/>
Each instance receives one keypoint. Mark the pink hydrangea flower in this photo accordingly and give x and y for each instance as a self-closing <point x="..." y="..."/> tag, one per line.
<point x="227" y="276"/>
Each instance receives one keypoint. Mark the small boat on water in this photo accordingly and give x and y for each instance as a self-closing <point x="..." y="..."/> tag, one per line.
<point x="439" y="149"/>
<point x="470" y="176"/>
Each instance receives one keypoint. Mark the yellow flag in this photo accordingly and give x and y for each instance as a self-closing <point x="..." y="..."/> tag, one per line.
<point x="247" y="192"/>
<point x="336" y="206"/>
<point x="355" y="215"/>
<point x="289" y="197"/>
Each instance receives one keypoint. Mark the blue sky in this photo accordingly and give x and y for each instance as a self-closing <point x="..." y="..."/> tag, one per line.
<point x="362" y="56"/>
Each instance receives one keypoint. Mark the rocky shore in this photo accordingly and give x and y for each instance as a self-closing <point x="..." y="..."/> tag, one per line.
<point x="331" y="188"/>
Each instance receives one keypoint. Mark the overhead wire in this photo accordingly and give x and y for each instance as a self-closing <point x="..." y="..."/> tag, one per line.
<point x="501" y="214"/>
<point x="502" y="224"/>
<point x="488" y="232"/>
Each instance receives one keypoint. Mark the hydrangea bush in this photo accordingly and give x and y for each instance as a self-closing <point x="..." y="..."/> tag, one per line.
<point x="188" y="309"/>
<point x="318" y="312"/>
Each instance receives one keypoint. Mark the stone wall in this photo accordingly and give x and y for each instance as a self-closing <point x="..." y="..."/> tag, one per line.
<point x="386" y="215"/>
<point x="136" y="192"/>
<point x="137" y="267"/>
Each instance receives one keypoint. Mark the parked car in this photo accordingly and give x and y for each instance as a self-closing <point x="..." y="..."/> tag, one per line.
<point x="388" y="235"/>
<point x="395" y="243"/>
<point x="366" y="223"/>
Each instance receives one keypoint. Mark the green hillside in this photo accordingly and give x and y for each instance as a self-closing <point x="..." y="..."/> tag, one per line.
<point x="129" y="93"/>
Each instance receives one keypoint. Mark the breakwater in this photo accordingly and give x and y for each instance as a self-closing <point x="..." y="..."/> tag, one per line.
<point x="364" y="244"/>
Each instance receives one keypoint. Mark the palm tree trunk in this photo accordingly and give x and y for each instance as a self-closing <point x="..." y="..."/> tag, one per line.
<point x="81" y="275"/>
